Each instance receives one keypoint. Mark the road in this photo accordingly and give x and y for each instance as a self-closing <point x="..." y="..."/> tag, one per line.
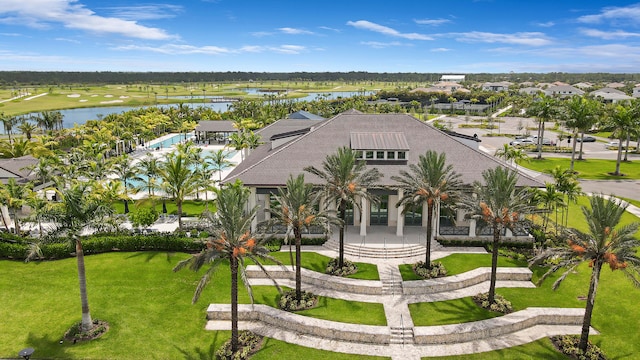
<point x="516" y="125"/>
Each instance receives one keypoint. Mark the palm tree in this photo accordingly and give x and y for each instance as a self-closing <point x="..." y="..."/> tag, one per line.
<point x="345" y="182"/>
<point x="566" y="181"/>
<point x="543" y="109"/>
<point x="79" y="207"/>
<point x="126" y="172"/>
<point x="178" y="180"/>
<point x="621" y="118"/>
<point x="220" y="162"/>
<point x="605" y="243"/>
<point x="27" y="129"/>
<point x="511" y="154"/>
<point x="498" y="204"/>
<point x="552" y="199"/>
<point x="149" y="167"/>
<point x="13" y="196"/>
<point x="296" y="209"/>
<point x="431" y="181"/>
<point x="8" y="122"/>
<point x="580" y="114"/>
<point x="231" y="240"/>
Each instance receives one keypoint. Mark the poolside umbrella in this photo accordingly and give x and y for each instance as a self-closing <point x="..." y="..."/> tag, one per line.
<point x="164" y="206"/>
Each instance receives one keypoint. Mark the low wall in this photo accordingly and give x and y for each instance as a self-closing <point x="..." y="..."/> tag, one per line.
<point x="491" y="328"/>
<point x="303" y="325"/>
<point x="469" y="278"/>
<point x="337" y="283"/>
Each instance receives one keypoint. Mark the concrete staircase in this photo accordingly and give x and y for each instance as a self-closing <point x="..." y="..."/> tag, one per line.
<point x="380" y="251"/>
<point x="401" y="336"/>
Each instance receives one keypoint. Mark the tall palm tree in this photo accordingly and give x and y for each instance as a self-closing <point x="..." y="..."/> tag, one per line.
<point x="149" y="167"/>
<point x="27" y="129"/>
<point x="78" y="208"/>
<point x="605" y="243"/>
<point x="178" y="180"/>
<point x="498" y="204"/>
<point x="543" y="109"/>
<point x="125" y="171"/>
<point x="580" y="115"/>
<point x="621" y="118"/>
<point x="8" y="122"/>
<point x="231" y="240"/>
<point x="431" y="181"/>
<point x="297" y="210"/>
<point x="552" y="200"/>
<point x="346" y="180"/>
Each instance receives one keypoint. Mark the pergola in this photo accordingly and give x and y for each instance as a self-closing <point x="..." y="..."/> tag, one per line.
<point x="214" y="131"/>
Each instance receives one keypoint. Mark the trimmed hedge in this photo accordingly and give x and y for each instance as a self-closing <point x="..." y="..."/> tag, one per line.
<point x="486" y="243"/>
<point x="103" y="243"/>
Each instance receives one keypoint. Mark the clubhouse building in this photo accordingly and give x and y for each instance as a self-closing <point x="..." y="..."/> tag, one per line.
<point x="388" y="142"/>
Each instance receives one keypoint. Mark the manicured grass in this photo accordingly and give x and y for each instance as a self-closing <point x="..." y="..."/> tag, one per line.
<point x="141" y="298"/>
<point x="592" y="169"/>
<point x="460" y="263"/>
<point x="189" y="207"/>
<point x="317" y="262"/>
<point x="448" y="312"/>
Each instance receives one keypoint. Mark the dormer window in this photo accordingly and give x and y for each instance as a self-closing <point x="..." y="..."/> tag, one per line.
<point x="386" y="146"/>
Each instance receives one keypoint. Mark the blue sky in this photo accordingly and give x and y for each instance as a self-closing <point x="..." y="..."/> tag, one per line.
<point x="464" y="36"/>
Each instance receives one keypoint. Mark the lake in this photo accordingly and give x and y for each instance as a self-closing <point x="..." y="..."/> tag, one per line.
<point x="81" y="115"/>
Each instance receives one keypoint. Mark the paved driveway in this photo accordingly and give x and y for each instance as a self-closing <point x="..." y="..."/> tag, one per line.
<point x="515" y="125"/>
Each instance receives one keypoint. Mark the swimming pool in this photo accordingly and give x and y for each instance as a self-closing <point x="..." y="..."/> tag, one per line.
<point x="168" y="142"/>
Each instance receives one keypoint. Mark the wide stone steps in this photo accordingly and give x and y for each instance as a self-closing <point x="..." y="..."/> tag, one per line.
<point x="401" y="336"/>
<point x="381" y="252"/>
<point x="392" y="287"/>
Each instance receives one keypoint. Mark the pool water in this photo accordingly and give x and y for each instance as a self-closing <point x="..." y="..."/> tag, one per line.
<point x="170" y="141"/>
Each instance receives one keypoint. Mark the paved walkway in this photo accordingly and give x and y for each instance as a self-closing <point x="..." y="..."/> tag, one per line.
<point x="396" y="307"/>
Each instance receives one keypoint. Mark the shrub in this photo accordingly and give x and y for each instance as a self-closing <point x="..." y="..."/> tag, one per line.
<point x="568" y="345"/>
<point x="248" y="344"/>
<point x="500" y="304"/>
<point x="437" y="270"/>
<point x="288" y="301"/>
<point x="347" y="269"/>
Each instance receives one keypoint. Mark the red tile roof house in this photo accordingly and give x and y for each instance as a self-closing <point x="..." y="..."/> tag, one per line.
<point x="388" y="142"/>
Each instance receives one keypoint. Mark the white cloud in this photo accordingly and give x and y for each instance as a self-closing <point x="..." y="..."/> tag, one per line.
<point x="145" y="12"/>
<point x="628" y="14"/>
<point x="174" y="49"/>
<point x="547" y="24"/>
<point x="432" y="22"/>
<point x="382" y="45"/>
<point x="523" y="38"/>
<point x="68" y="40"/>
<point x="609" y="35"/>
<point x="294" y="31"/>
<point x="178" y="49"/>
<point x="329" y="28"/>
<point x="367" y="25"/>
<point x="440" y="50"/>
<point x="73" y="15"/>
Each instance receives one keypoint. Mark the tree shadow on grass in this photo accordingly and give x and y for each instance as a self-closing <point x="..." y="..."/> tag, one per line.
<point x="461" y="311"/>
<point x="198" y="353"/>
<point x="46" y="347"/>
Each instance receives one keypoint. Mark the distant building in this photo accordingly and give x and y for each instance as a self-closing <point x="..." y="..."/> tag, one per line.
<point x="452" y="78"/>
<point x="610" y="95"/>
<point x="563" y="90"/>
<point x="496" y="86"/>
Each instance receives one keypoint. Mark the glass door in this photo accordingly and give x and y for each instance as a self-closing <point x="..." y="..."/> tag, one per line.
<point x="380" y="211"/>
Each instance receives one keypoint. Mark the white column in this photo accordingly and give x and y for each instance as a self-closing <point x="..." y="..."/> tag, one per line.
<point x="472" y="228"/>
<point x="364" y="216"/>
<point x="267" y="206"/>
<point x="251" y="203"/>
<point x="400" y="221"/>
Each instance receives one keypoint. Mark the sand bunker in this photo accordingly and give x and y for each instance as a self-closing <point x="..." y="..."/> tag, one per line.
<point x="73" y="95"/>
<point x="94" y="95"/>
<point x="123" y="97"/>
<point x="108" y="95"/>
<point x="111" y="102"/>
<point x="83" y="100"/>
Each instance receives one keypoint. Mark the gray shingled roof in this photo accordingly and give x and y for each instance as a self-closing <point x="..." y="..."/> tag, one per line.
<point x="304" y="115"/>
<point x="271" y="168"/>
<point x="378" y="141"/>
<point x="19" y="166"/>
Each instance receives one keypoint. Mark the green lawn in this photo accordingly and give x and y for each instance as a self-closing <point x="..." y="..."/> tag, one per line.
<point x="317" y="262"/>
<point x="144" y="303"/>
<point x="460" y="263"/>
<point x="189" y="207"/>
<point x="448" y="312"/>
<point x="591" y="169"/>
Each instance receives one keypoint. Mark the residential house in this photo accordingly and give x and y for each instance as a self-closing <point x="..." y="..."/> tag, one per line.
<point x="563" y="91"/>
<point x="610" y="95"/>
<point x="496" y="86"/>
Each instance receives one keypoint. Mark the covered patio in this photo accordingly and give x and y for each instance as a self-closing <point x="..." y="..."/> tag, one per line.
<point x="212" y="132"/>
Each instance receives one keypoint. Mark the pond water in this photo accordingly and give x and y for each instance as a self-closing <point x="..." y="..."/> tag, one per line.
<point x="81" y="115"/>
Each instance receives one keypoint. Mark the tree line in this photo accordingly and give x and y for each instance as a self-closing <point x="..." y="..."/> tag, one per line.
<point x="8" y="78"/>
